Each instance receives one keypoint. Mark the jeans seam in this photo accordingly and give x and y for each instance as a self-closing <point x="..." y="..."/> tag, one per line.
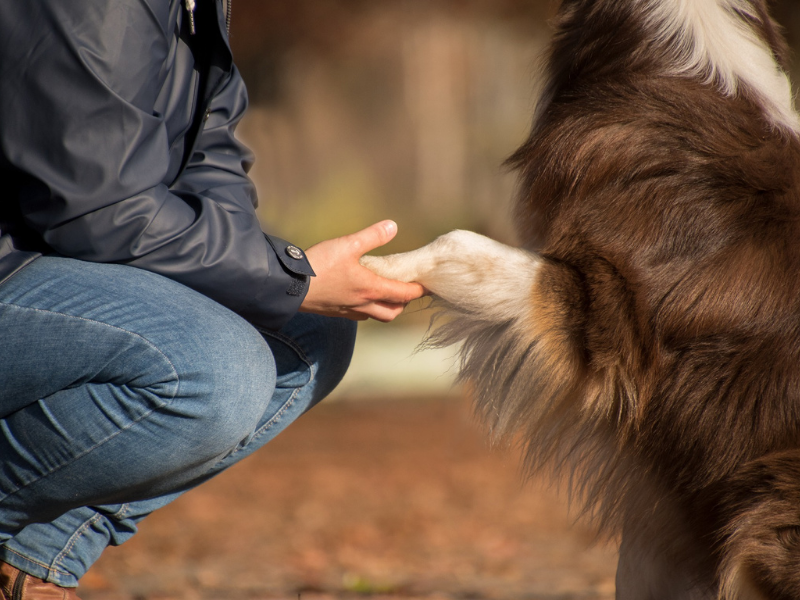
<point x="79" y="533"/>
<point x="277" y="416"/>
<point x="13" y="274"/>
<point x="81" y="455"/>
<point x="266" y="426"/>
<point x="36" y="562"/>
<point x="116" y="433"/>
<point x="96" y="322"/>
<point x="294" y="346"/>
<point x="289" y="342"/>
<point x="72" y="541"/>
<point x="288" y="404"/>
<point x="53" y="567"/>
<point x="123" y="510"/>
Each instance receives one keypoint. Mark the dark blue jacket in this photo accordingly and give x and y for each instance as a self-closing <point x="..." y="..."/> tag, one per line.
<point x="117" y="145"/>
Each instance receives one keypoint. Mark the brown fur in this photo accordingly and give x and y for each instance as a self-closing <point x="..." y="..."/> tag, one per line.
<point x="671" y="215"/>
<point x="663" y="351"/>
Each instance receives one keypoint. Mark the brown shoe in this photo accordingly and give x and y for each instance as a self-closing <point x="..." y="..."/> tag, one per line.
<point x="16" y="585"/>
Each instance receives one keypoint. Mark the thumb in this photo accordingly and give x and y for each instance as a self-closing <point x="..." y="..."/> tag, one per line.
<point x="373" y="236"/>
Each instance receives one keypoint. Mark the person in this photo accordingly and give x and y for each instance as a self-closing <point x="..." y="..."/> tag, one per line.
<point x="150" y="334"/>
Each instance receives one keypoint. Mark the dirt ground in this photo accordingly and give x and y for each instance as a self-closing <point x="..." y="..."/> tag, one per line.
<point x="388" y="499"/>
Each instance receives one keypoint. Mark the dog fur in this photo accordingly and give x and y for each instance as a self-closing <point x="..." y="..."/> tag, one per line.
<point x="645" y="342"/>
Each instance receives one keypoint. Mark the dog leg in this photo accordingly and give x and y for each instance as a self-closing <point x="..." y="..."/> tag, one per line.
<point x="505" y="307"/>
<point x="469" y="271"/>
<point x="646" y="571"/>
<point x="761" y="558"/>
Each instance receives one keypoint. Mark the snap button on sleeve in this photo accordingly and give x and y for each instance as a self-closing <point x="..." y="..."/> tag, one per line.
<point x="294" y="252"/>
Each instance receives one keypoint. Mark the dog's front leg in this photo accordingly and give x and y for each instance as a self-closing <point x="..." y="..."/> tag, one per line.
<point x="469" y="271"/>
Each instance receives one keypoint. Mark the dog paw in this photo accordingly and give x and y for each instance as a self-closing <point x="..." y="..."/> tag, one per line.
<point x="466" y="269"/>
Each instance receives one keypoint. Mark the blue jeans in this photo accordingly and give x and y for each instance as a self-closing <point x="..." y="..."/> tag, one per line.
<point x="120" y="390"/>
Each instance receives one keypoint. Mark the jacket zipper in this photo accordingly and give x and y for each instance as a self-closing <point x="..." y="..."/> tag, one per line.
<point x="190" y="6"/>
<point x="19" y="583"/>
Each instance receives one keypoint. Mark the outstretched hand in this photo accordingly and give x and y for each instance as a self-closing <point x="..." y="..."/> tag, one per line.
<point x="343" y="288"/>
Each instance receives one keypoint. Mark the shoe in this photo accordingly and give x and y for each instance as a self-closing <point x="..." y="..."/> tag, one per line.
<point x="17" y="585"/>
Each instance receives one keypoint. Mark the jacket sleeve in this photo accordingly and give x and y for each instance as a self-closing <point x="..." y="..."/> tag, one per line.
<point x="78" y="118"/>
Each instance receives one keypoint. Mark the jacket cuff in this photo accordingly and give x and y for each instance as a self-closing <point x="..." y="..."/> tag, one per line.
<point x="295" y="265"/>
<point x="292" y="258"/>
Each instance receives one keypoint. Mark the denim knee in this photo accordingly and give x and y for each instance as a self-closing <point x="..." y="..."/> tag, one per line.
<point x="226" y="382"/>
<point x="119" y="385"/>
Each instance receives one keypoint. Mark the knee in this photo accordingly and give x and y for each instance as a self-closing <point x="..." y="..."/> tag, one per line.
<point x="230" y="376"/>
<point x="225" y="388"/>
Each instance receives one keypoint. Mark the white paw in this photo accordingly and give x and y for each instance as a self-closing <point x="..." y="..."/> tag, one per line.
<point x="468" y="270"/>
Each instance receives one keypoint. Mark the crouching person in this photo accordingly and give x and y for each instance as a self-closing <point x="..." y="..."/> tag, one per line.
<point x="150" y="334"/>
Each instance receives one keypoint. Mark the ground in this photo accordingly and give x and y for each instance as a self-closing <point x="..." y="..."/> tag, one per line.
<point x="388" y="499"/>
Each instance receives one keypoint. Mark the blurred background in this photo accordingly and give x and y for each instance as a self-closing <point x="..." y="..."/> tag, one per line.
<point x="363" y="110"/>
<point x="368" y="109"/>
<point x="372" y="109"/>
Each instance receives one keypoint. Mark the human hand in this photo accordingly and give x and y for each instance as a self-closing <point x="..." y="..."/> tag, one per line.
<point x="343" y="288"/>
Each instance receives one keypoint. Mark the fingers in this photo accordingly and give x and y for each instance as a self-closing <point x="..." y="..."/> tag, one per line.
<point x="373" y="236"/>
<point x="398" y="292"/>
<point x="393" y="291"/>
<point x="346" y="288"/>
<point x="392" y="300"/>
<point x="383" y="311"/>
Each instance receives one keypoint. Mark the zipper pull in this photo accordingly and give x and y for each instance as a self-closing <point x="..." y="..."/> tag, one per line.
<point x="190" y="9"/>
<point x="228" y="11"/>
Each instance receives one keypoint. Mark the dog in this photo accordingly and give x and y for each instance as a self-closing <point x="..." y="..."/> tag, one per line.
<point x="644" y="342"/>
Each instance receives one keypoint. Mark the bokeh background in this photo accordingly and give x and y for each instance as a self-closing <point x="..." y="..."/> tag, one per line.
<point x="363" y="110"/>
<point x="366" y="109"/>
<point x="369" y="109"/>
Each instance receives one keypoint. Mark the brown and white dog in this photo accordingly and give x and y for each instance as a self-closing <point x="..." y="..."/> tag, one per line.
<point x="646" y="342"/>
